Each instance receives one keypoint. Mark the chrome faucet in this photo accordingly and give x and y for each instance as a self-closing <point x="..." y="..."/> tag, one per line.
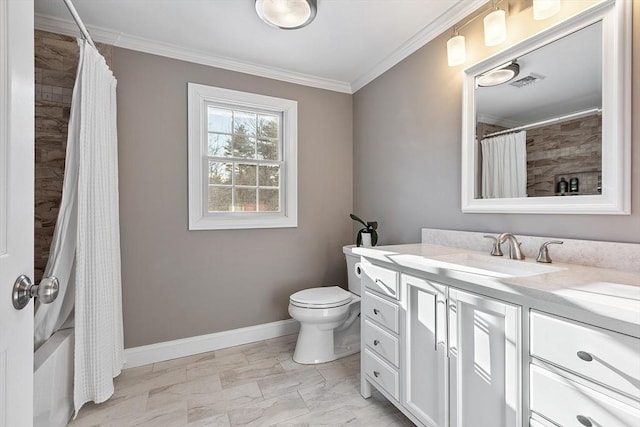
<point x="514" y="245"/>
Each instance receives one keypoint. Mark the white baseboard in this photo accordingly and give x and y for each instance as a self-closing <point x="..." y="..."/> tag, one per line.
<point x="159" y="352"/>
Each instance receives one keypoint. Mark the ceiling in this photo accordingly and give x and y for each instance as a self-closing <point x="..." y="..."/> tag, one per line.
<point x="349" y="44"/>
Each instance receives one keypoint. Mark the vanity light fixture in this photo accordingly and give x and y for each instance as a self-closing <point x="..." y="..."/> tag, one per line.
<point x="495" y="32"/>
<point x="287" y="14"/>
<point x="495" y="27"/>
<point x="499" y="75"/>
<point x="543" y="9"/>
<point x="456" y="51"/>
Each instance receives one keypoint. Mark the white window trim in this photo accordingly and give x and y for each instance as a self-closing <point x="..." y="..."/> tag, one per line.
<point x="199" y="218"/>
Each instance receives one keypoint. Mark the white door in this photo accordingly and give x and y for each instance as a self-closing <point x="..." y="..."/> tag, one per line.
<point x="425" y="369"/>
<point x="16" y="209"/>
<point x="484" y="361"/>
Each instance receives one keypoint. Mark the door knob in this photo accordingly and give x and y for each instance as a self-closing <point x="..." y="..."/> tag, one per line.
<point x="23" y="290"/>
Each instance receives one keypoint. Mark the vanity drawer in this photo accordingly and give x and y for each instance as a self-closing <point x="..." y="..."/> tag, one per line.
<point x="567" y="403"/>
<point x="381" y="311"/>
<point x="607" y="357"/>
<point x="381" y="373"/>
<point x="381" y="342"/>
<point x="380" y="279"/>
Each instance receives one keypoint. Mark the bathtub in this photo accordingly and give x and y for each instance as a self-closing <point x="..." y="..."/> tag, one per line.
<point x="53" y="381"/>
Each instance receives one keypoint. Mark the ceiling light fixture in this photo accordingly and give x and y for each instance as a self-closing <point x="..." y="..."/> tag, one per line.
<point x="499" y="75"/>
<point x="495" y="27"/>
<point x="286" y="14"/>
<point x="543" y="9"/>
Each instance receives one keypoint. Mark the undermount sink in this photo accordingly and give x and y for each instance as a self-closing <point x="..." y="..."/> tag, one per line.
<point x="496" y="266"/>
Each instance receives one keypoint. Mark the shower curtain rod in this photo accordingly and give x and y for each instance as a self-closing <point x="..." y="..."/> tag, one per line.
<point x="76" y="17"/>
<point x="575" y="115"/>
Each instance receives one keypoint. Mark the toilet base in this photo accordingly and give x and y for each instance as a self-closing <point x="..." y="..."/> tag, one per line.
<point x="319" y="345"/>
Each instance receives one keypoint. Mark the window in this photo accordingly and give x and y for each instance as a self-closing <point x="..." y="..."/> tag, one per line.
<point x="242" y="160"/>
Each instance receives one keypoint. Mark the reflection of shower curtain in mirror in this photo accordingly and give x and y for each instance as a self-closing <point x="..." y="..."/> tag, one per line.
<point x="504" y="166"/>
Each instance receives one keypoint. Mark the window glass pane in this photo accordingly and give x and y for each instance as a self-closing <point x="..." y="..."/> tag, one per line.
<point x="219" y="199"/>
<point x="244" y="123"/>
<point x="244" y="146"/>
<point x="245" y="200"/>
<point x="219" y="120"/>
<point x="269" y="200"/>
<point x="268" y="126"/>
<point x="245" y="174"/>
<point x="219" y="172"/>
<point x="219" y="145"/>
<point x="268" y="149"/>
<point x="269" y="176"/>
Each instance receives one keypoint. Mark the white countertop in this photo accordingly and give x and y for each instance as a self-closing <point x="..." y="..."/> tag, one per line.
<point x="603" y="297"/>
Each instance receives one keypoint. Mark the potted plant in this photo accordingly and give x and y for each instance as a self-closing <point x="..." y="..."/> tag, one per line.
<point x="367" y="236"/>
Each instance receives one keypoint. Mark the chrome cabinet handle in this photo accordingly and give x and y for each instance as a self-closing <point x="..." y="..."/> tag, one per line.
<point x="585" y="356"/>
<point x="23" y="290"/>
<point x="376" y="374"/>
<point x="376" y="311"/>
<point x="389" y="289"/>
<point x="584" y="421"/>
<point x="376" y="342"/>
<point x="435" y="324"/>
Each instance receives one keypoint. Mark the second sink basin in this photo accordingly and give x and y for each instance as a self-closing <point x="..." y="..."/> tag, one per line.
<point x="497" y="266"/>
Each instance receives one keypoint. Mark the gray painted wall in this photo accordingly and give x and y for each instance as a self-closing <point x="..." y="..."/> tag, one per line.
<point x="179" y="283"/>
<point x="407" y="133"/>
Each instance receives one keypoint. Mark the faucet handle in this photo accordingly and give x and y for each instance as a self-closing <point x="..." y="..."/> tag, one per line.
<point x="496" y="250"/>
<point x="543" y="253"/>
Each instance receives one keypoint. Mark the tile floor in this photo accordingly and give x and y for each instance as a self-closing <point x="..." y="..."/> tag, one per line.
<point x="256" y="384"/>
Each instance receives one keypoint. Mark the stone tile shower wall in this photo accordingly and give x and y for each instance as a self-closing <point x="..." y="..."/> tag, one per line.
<point x="56" y="62"/>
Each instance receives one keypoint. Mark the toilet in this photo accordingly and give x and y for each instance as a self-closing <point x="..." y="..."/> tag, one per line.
<point x="329" y="318"/>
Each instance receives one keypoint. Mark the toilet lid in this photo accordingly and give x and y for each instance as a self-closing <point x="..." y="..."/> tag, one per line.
<point x="325" y="297"/>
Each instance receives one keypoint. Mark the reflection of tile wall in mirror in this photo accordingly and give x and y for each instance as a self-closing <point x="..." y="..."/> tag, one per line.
<point x="568" y="149"/>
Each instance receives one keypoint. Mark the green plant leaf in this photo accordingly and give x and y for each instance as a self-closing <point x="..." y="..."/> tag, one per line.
<point x="373" y="225"/>
<point x="374" y="237"/>
<point x="355" y="218"/>
<point x="359" y="239"/>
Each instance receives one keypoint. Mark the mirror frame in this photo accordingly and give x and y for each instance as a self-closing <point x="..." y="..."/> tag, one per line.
<point x="616" y="119"/>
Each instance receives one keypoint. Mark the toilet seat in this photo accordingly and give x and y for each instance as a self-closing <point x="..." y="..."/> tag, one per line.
<point x="324" y="297"/>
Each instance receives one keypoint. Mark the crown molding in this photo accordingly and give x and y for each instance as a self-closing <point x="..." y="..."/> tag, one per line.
<point x="126" y="41"/>
<point x="445" y="21"/>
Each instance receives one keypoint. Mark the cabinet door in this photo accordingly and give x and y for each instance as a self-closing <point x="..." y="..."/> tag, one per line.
<point x="425" y="367"/>
<point x="484" y="361"/>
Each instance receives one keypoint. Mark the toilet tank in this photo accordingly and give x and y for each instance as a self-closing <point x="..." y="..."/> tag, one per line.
<point x="352" y="260"/>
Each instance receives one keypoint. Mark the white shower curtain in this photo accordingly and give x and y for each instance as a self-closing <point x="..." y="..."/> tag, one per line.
<point x="504" y="166"/>
<point x="85" y="252"/>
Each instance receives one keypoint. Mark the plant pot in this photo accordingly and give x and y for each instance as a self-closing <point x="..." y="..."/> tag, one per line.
<point x="366" y="240"/>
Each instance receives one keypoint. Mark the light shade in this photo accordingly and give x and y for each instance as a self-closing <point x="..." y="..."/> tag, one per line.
<point x="499" y="75"/>
<point x="286" y="14"/>
<point x="495" y="28"/>
<point x="456" y="52"/>
<point x="543" y="9"/>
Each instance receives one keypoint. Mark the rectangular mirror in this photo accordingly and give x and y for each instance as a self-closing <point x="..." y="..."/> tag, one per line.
<point x="546" y="123"/>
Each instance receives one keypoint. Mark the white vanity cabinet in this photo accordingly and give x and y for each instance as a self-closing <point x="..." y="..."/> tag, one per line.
<point x="460" y="352"/>
<point x="380" y="317"/>
<point x="484" y="361"/>
<point x="424" y="372"/>
<point x="594" y="372"/>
